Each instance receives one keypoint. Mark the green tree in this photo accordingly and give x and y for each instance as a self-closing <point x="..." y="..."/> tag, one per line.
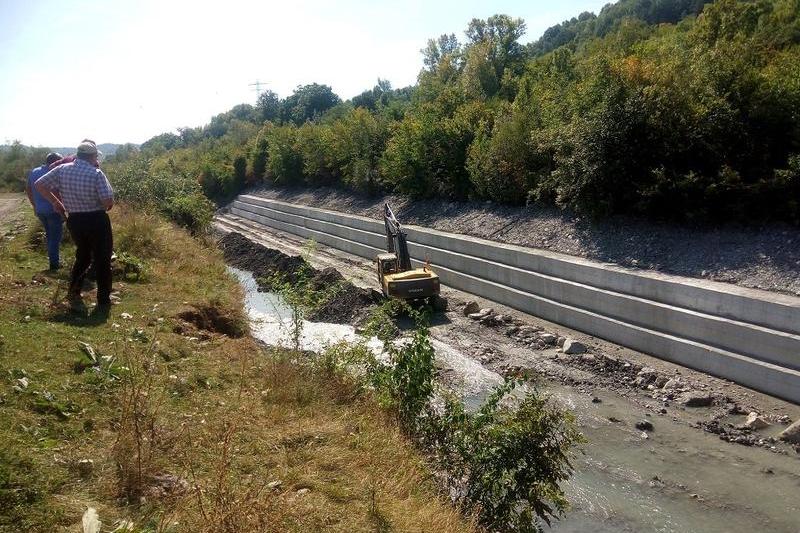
<point x="308" y="102"/>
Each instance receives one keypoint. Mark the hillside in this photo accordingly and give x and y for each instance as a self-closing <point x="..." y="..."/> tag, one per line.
<point x="663" y="110"/>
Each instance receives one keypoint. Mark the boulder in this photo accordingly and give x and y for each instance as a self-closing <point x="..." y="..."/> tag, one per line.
<point x="696" y="399"/>
<point x="471" y="308"/>
<point x="573" y="347"/>
<point x="644" y="425"/>
<point x="548" y="338"/>
<point x="755" y="422"/>
<point x="791" y="434"/>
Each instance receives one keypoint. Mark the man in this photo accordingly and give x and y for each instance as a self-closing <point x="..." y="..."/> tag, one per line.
<point x="51" y="220"/>
<point x="85" y="197"/>
<point x="71" y="158"/>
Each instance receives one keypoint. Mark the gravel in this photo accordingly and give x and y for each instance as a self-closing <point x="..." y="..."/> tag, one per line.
<point x="765" y="257"/>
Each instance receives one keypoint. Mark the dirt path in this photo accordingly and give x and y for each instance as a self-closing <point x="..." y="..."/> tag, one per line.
<point x="686" y="474"/>
<point x="10" y="204"/>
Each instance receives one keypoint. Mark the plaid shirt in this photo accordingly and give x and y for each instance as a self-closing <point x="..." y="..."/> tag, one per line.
<point x="81" y="184"/>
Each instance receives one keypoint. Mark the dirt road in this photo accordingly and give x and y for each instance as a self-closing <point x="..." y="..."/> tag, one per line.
<point x="695" y="471"/>
<point x="10" y="204"/>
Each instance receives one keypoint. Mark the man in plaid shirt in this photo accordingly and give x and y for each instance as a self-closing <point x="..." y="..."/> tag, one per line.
<point x="85" y="197"/>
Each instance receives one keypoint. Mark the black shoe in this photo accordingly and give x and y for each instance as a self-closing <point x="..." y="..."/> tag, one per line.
<point x="102" y="310"/>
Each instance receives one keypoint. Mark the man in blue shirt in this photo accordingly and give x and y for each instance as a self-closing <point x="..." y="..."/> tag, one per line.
<point x="52" y="221"/>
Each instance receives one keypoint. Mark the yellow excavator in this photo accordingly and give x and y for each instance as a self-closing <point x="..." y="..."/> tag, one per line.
<point x="397" y="278"/>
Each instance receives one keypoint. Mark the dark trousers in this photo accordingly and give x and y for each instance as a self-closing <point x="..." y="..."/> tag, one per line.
<point x="91" y="233"/>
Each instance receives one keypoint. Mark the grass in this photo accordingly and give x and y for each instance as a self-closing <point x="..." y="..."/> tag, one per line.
<point x="153" y="420"/>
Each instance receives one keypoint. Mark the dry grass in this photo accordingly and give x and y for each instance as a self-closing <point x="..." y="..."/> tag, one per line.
<point x="188" y="430"/>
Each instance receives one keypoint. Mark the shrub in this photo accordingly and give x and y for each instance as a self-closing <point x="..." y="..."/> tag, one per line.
<point x="193" y="211"/>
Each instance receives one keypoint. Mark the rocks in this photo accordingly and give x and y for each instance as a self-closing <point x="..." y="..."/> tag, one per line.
<point x="274" y="485"/>
<point x="482" y="314"/>
<point x="572" y="347"/>
<point x="548" y="338"/>
<point x="755" y="422"/>
<point x="644" y="425"/>
<point x="791" y="434"/>
<point x="696" y="399"/>
<point x="674" y="383"/>
<point x="660" y="382"/>
<point x="645" y="377"/>
<point x="125" y="316"/>
<point x="595" y="399"/>
<point x="471" y="308"/>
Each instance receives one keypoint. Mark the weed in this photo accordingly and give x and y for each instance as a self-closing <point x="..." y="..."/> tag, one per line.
<point x="139" y="429"/>
<point x="127" y="266"/>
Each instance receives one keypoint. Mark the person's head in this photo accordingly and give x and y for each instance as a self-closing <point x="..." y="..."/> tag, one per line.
<point x="51" y="158"/>
<point x="87" y="151"/>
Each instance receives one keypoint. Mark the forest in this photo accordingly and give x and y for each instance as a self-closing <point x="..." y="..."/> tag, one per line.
<point x="667" y="109"/>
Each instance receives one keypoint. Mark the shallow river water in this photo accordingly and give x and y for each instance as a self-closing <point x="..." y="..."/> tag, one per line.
<point x="678" y="479"/>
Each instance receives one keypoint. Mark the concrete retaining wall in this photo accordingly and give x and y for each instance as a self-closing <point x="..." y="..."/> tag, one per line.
<point x="749" y="336"/>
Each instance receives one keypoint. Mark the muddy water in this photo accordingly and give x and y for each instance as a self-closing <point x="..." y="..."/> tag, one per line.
<point x="678" y="479"/>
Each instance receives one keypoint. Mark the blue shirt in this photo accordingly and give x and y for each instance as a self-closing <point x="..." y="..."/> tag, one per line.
<point x="41" y="206"/>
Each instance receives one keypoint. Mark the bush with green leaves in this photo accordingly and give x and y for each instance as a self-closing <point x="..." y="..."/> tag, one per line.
<point x="505" y="462"/>
<point x="174" y="195"/>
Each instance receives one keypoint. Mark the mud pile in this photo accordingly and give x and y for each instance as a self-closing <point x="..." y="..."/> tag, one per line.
<point x="346" y="304"/>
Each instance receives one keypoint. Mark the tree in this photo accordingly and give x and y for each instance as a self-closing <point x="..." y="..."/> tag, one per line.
<point x="498" y="35"/>
<point x="308" y="102"/>
<point x="268" y="107"/>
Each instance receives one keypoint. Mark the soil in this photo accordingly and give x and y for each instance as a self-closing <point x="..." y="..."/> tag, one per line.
<point x="344" y="303"/>
<point x="10" y="212"/>
<point x="215" y="320"/>
<point x="765" y="257"/>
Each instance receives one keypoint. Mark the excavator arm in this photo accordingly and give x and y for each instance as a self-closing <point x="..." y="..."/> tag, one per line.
<point x="396" y="239"/>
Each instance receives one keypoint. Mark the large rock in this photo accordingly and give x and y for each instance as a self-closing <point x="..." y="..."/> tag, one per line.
<point x="791" y="434"/>
<point x="471" y="308"/>
<point x="755" y="422"/>
<point x="573" y="347"/>
<point x="696" y="399"/>
<point x="548" y="338"/>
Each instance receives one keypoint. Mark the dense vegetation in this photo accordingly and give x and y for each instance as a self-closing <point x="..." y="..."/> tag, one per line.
<point x="660" y="108"/>
<point x="16" y="161"/>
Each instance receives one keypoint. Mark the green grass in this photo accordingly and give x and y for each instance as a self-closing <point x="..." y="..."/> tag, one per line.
<point x="185" y="428"/>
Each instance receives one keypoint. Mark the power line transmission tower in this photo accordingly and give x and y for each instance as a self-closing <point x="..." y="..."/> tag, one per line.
<point x="257" y="87"/>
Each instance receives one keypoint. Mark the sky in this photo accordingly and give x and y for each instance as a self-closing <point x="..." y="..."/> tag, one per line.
<point x="125" y="70"/>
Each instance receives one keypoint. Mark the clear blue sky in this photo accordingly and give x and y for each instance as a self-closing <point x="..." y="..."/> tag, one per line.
<point x="125" y="70"/>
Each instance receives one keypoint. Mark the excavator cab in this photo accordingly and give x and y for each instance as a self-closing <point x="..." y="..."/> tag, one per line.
<point x="395" y="274"/>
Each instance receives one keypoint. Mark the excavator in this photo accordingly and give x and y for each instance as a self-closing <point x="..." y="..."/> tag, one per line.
<point x="395" y="274"/>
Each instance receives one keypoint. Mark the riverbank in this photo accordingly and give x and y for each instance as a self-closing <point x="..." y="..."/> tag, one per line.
<point x="764" y="257"/>
<point x="694" y="466"/>
<point x="167" y="415"/>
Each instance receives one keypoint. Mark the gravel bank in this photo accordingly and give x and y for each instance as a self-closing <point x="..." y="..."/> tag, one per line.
<point x="765" y="257"/>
